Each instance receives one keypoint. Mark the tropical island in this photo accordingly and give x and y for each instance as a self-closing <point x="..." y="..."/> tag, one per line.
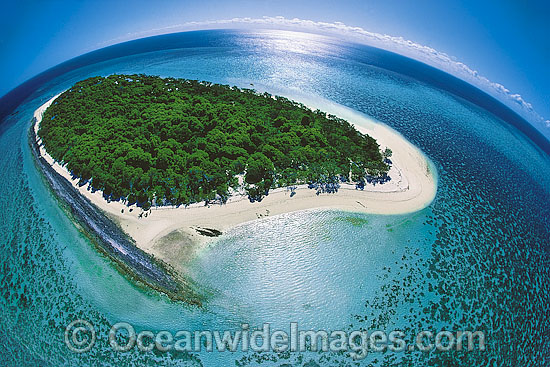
<point x="154" y="141"/>
<point x="166" y="164"/>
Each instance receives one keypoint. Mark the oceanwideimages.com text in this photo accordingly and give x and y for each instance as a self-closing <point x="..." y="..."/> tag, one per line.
<point x="80" y="336"/>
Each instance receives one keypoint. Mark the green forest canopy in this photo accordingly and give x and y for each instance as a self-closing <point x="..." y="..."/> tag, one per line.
<point x="149" y="140"/>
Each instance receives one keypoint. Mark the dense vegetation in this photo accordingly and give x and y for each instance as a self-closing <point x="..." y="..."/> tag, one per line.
<point x="171" y="141"/>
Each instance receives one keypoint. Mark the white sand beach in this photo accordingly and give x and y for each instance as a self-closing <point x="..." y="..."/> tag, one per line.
<point x="169" y="233"/>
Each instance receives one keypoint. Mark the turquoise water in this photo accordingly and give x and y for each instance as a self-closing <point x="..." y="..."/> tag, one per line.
<point x="476" y="258"/>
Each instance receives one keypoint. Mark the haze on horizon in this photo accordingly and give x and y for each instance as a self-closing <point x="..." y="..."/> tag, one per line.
<point x="505" y="42"/>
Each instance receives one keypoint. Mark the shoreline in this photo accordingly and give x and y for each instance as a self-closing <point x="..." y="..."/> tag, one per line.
<point x="141" y="267"/>
<point x="174" y="235"/>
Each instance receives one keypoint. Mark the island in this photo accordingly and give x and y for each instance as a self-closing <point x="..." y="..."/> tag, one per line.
<point x="175" y="162"/>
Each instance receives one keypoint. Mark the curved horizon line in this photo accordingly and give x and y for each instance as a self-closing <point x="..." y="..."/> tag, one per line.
<point x="387" y="42"/>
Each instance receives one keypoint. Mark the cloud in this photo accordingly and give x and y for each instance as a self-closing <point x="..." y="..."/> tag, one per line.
<point x="396" y="44"/>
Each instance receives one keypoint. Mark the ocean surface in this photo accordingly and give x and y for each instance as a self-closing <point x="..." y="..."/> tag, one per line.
<point x="476" y="259"/>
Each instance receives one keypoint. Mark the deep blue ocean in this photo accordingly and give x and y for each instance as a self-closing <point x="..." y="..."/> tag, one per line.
<point x="476" y="259"/>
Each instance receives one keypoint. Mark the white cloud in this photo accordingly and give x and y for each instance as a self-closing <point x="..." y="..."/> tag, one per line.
<point x="396" y="44"/>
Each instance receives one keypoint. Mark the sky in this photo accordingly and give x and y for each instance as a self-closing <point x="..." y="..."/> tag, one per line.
<point x="505" y="44"/>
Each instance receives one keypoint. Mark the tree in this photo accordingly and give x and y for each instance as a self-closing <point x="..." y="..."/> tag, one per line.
<point x="145" y="138"/>
<point x="258" y="168"/>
